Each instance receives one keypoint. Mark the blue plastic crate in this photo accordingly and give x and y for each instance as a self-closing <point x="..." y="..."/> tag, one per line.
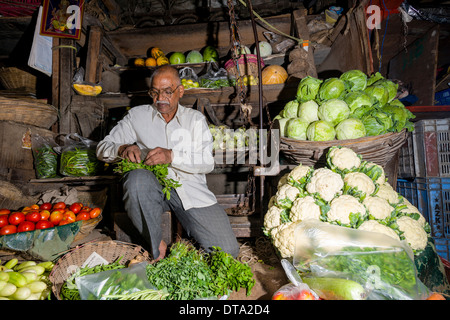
<point x="442" y="98"/>
<point x="442" y="247"/>
<point x="432" y="197"/>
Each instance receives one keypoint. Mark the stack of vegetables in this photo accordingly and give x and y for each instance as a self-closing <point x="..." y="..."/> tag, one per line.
<point x="347" y="192"/>
<point x="225" y="138"/>
<point x="349" y="107"/>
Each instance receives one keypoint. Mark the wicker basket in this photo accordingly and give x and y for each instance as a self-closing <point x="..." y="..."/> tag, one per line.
<point x="14" y="78"/>
<point x="247" y="66"/>
<point x="378" y="149"/>
<point x="109" y="250"/>
<point x="28" y="111"/>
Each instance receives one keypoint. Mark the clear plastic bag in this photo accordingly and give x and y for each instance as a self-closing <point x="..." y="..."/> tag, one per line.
<point x="108" y="285"/>
<point x="188" y="73"/>
<point x="78" y="157"/>
<point x="215" y="77"/>
<point x="382" y="265"/>
<point x="44" y="156"/>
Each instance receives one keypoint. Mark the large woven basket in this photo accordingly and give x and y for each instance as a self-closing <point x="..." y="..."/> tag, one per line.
<point x="109" y="250"/>
<point x="15" y="78"/>
<point x="378" y="149"/>
<point x="28" y="111"/>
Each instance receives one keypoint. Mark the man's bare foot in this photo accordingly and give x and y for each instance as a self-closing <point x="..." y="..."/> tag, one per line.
<point x="162" y="251"/>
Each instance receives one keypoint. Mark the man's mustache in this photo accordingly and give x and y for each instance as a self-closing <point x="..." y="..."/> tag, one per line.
<point x="162" y="102"/>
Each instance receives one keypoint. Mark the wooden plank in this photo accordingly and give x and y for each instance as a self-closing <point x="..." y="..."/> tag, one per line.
<point x="66" y="67"/>
<point x="55" y="78"/>
<point x="416" y="67"/>
<point x="303" y="33"/>
<point x="93" y="53"/>
<point x="136" y="42"/>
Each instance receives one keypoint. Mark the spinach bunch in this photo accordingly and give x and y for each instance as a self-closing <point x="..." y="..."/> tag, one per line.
<point x="159" y="170"/>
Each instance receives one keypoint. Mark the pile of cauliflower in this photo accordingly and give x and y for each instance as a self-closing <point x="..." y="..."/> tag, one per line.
<point x="347" y="192"/>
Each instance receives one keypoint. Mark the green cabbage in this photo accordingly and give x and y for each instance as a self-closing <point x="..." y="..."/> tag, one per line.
<point x="296" y="128"/>
<point x="333" y="111"/>
<point x="332" y="88"/>
<point x="320" y="130"/>
<point x="308" y="111"/>
<point x="356" y="80"/>
<point x="374" y="78"/>
<point x="377" y="122"/>
<point x="282" y="122"/>
<point x="400" y="116"/>
<point x="308" y="88"/>
<point x="378" y="93"/>
<point x="350" y="129"/>
<point x="290" y="110"/>
<point x="357" y="99"/>
<point x="390" y="86"/>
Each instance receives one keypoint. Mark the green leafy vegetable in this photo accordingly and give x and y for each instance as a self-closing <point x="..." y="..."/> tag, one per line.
<point x="159" y="170"/>
<point x="79" y="162"/>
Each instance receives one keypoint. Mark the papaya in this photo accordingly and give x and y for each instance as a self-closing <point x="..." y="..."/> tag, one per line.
<point x="162" y="60"/>
<point x="87" y="90"/>
<point x="156" y="52"/>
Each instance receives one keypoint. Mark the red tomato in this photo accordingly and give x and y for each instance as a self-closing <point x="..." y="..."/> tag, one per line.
<point x="3" y="220"/>
<point x="59" y="205"/>
<point x="44" y="224"/>
<point x="45" y="214"/>
<point x="56" y="216"/>
<point x="63" y="222"/>
<point x="16" y="217"/>
<point x="83" y="216"/>
<point x="45" y="206"/>
<point x="9" y="229"/>
<point x="94" y="213"/>
<point x="69" y="216"/>
<point x="86" y="209"/>
<point x="4" y="211"/>
<point x="25" y="226"/>
<point x="33" y="216"/>
<point x="75" y="208"/>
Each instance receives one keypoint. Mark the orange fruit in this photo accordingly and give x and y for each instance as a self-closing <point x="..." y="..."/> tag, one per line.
<point x="162" y="60"/>
<point x="156" y="52"/>
<point x="139" y="62"/>
<point x="150" y="62"/>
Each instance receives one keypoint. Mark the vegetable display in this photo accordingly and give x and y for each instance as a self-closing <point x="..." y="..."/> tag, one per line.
<point x="348" y="192"/>
<point x="349" y="107"/>
<point x="160" y="170"/>
<point x="225" y="138"/>
<point x="79" y="162"/>
<point x="27" y="280"/>
<point x="46" y="215"/>
<point x="186" y="273"/>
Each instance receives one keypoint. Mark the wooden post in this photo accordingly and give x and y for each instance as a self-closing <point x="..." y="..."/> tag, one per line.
<point x="93" y="54"/>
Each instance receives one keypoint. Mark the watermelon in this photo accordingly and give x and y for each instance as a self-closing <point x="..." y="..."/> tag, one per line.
<point x="194" y="56"/>
<point x="210" y="54"/>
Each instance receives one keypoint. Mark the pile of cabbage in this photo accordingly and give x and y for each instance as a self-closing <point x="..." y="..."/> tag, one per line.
<point x="347" y="192"/>
<point x="349" y="107"/>
<point x="225" y="138"/>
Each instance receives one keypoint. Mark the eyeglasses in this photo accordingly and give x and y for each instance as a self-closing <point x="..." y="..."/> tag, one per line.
<point x="167" y="92"/>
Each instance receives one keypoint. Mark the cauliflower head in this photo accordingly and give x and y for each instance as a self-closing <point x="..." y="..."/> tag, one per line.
<point x="304" y="208"/>
<point x="411" y="209"/>
<point x="272" y="218"/>
<point x="286" y="195"/>
<point x="283" y="180"/>
<point x="341" y="209"/>
<point x="343" y="158"/>
<point x="326" y="183"/>
<point x="360" y="181"/>
<point x="375" y="226"/>
<point x="299" y="172"/>
<point x="388" y="193"/>
<point x="413" y="232"/>
<point x="378" y="208"/>
<point x="284" y="238"/>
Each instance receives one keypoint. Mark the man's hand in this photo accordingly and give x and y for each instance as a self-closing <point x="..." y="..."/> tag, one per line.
<point x="158" y="156"/>
<point x="130" y="152"/>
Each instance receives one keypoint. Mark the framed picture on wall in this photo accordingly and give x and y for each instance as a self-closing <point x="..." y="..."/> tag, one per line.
<point x="62" y="18"/>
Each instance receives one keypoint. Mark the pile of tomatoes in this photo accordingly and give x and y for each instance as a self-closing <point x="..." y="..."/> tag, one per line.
<point x="46" y="215"/>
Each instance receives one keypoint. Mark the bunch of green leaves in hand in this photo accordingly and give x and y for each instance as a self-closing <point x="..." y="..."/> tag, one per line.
<point x="159" y="170"/>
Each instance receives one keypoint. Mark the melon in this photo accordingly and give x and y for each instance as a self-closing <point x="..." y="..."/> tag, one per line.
<point x="265" y="49"/>
<point x="274" y="74"/>
<point x="194" y="56"/>
<point x="177" y="58"/>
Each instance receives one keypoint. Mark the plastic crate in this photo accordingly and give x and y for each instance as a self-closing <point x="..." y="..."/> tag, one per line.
<point x="442" y="247"/>
<point x="431" y="143"/>
<point x="406" y="166"/>
<point x="432" y="197"/>
<point x="442" y="98"/>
